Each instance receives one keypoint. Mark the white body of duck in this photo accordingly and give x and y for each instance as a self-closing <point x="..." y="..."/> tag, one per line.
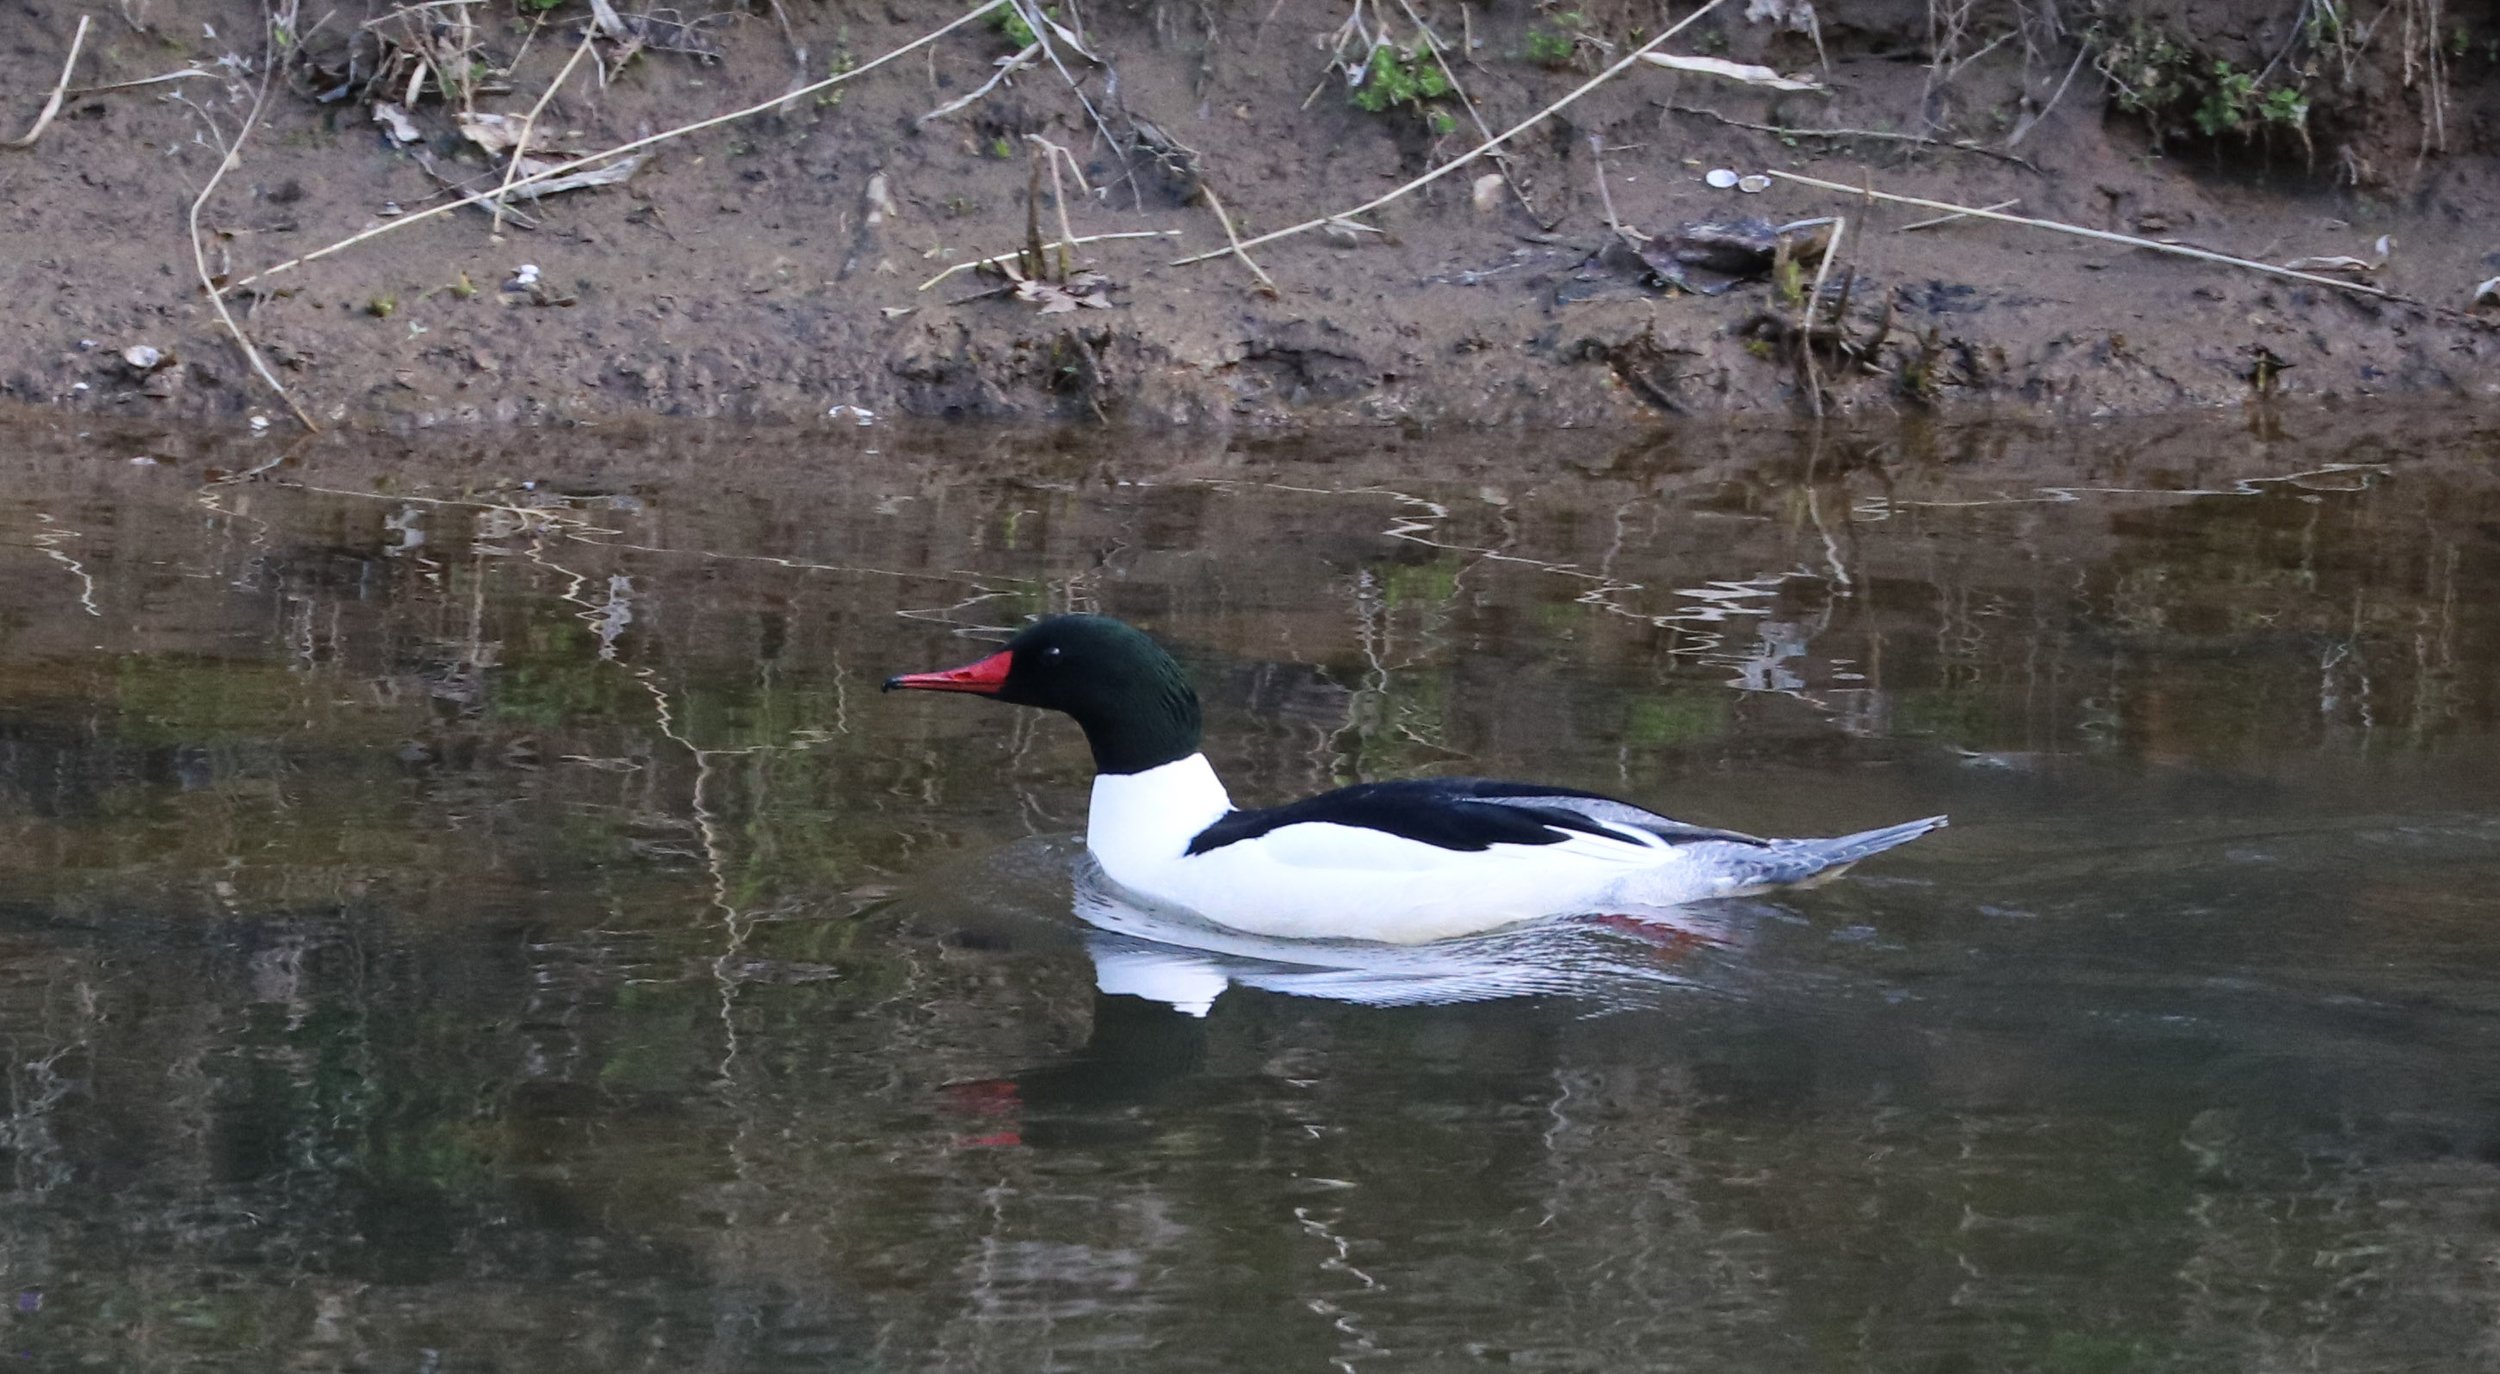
<point x="1398" y="862"/>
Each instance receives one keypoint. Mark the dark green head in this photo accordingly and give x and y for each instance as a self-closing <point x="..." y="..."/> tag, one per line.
<point x="1135" y="706"/>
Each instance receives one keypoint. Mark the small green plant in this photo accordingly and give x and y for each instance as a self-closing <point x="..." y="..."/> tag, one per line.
<point x="380" y="307"/>
<point x="1789" y="280"/>
<point x="2149" y="71"/>
<point x="1395" y="77"/>
<point x="2229" y="102"/>
<point x="2284" y="105"/>
<point x="843" y="64"/>
<point x="1011" y="25"/>
<point x="1556" y="43"/>
<point x="2174" y="92"/>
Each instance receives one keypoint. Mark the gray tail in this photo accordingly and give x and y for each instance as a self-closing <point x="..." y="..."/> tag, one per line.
<point x="1788" y="863"/>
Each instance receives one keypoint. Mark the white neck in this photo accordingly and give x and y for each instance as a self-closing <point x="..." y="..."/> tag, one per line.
<point x="1139" y="820"/>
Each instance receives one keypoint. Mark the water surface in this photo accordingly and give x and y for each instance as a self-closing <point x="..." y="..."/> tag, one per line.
<point x="466" y="907"/>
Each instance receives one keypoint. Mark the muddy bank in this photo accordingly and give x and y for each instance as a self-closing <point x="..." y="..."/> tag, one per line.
<point x="777" y="267"/>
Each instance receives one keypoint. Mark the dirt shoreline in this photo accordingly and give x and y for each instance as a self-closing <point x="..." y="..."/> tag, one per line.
<point x="772" y="268"/>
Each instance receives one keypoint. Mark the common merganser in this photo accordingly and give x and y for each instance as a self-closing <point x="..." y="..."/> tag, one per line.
<point x="1397" y="862"/>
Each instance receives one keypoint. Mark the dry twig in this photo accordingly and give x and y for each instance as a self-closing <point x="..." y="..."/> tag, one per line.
<point x="60" y="88"/>
<point x="1881" y="135"/>
<point x="1956" y="215"/>
<point x="1501" y="162"/>
<point x="997" y="258"/>
<point x="589" y="159"/>
<point x="232" y="157"/>
<point x="1267" y="284"/>
<point x="1619" y="66"/>
<point x="529" y="125"/>
<point x="1007" y="67"/>
<point x="1605" y="197"/>
<point x="179" y="74"/>
<point x="2101" y="235"/>
<point x="1805" y="312"/>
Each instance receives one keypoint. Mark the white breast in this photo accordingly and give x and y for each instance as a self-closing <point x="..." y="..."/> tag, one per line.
<point x="1324" y="880"/>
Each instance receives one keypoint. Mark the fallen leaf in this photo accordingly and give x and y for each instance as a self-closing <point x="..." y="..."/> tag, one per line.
<point x="1746" y="72"/>
<point x="608" y="175"/>
<point x="395" y="122"/>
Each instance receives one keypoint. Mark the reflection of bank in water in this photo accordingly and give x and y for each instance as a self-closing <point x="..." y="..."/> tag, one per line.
<point x="1186" y="964"/>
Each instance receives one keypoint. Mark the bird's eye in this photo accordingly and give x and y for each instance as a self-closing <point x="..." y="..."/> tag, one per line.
<point x="1051" y="652"/>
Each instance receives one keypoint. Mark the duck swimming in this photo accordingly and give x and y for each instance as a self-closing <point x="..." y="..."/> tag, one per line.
<point x="1397" y="862"/>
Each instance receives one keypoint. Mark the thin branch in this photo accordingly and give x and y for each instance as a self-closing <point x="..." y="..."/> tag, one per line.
<point x="233" y="157"/>
<point x="1948" y="219"/>
<point x="60" y="88"/>
<point x="1007" y="67"/>
<point x="1501" y="161"/>
<point x="1619" y="66"/>
<point x="529" y="125"/>
<point x="2100" y="235"/>
<point x="1805" y="312"/>
<point x="1605" y="197"/>
<point x="184" y="74"/>
<point x="1047" y="247"/>
<point x="1266" y="283"/>
<point x="2034" y="122"/>
<point x="1922" y="140"/>
<point x="589" y="159"/>
<point x="1043" y="26"/>
<point x="1052" y="154"/>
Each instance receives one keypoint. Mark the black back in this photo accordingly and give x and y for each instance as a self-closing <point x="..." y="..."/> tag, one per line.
<point x="1462" y="814"/>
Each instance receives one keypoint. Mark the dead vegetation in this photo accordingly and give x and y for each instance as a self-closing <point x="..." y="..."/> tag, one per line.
<point x="490" y="98"/>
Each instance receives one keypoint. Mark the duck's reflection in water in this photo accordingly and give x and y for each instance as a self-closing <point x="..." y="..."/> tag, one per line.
<point x="1158" y="975"/>
<point x="1185" y="964"/>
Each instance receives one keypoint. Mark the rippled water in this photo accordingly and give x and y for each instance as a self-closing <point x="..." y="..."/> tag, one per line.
<point x="464" y="906"/>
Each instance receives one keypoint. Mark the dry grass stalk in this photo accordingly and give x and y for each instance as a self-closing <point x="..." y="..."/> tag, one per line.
<point x="998" y="259"/>
<point x="1956" y="215"/>
<point x="1605" y="197"/>
<point x="2101" y="235"/>
<point x="1267" y="284"/>
<point x="1045" y="26"/>
<point x="1007" y="66"/>
<point x="529" y="125"/>
<point x="589" y="159"/>
<point x="1805" y="313"/>
<point x="1433" y="45"/>
<point x="230" y="158"/>
<point x="1052" y="155"/>
<point x="1880" y="135"/>
<point x="181" y="74"/>
<point x="60" y="88"/>
<point x="1612" y="71"/>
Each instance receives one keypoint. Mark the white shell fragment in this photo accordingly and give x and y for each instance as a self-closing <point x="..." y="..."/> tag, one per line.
<point x="142" y="358"/>
<point x="855" y="414"/>
<point x="1753" y="185"/>
<point x="2487" y="294"/>
<point x="1721" y="178"/>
